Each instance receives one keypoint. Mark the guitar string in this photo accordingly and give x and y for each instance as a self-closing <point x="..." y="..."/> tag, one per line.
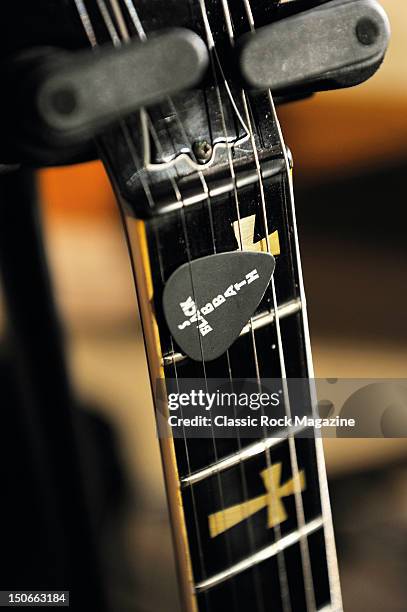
<point x="294" y="464"/>
<point x="213" y="439"/>
<point x="85" y="18"/>
<point x="257" y="370"/>
<point x="304" y="545"/>
<point x="187" y="452"/>
<point x="90" y="34"/>
<point x="281" y="564"/>
<point x="332" y="562"/>
<point x="139" y="28"/>
<point x="82" y="4"/>
<point x="143" y="37"/>
<point x="215" y="61"/>
<point x="227" y="354"/>
<point x="286" y="603"/>
<point x="251" y="23"/>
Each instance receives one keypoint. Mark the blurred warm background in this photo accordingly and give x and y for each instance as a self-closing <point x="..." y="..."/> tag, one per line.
<point x="350" y="152"/>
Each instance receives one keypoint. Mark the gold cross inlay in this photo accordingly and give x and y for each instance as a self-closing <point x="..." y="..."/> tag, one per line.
<point x="244" y="233"/>
<point x="221" y="521"/>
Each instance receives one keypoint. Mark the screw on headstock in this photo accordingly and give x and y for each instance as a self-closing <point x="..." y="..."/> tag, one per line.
<point x="202" y="150"/>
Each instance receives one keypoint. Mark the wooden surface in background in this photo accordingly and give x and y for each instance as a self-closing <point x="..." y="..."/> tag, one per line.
<point x="76" y="192"/>
<point x="340" y="133"/>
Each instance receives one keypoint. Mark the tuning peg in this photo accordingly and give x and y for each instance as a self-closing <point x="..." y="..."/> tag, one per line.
<point x="57" y="101"/>
<point x="338" y="44"/>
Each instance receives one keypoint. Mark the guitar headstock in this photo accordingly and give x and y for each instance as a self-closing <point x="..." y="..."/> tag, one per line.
<point x="196" y="130"/>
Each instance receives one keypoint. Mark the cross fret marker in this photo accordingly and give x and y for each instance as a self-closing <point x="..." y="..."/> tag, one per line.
<point x="221" y="521"/>
<point x="244" y="233"/>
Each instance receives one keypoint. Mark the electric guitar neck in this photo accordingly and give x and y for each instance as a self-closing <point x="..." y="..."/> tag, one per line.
<point x="204" y="183"/>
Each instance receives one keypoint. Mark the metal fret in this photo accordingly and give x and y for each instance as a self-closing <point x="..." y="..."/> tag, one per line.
<point x="221" y="186"/>
<point x="261" y="555"/>
<point x="228" y="462"/>
<point x="261" y="320"/>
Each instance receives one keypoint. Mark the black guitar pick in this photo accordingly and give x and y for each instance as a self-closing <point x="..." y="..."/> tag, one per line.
<point x="208" y="302"/>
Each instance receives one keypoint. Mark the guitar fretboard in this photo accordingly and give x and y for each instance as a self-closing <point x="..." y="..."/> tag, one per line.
<point x="245" y="538"/>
